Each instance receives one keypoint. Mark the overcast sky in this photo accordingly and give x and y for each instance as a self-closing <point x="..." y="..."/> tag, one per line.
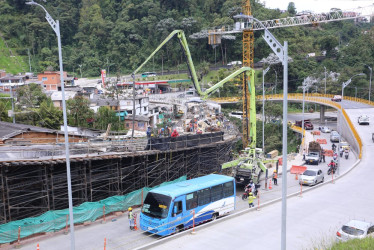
<point x="317" y="6"/>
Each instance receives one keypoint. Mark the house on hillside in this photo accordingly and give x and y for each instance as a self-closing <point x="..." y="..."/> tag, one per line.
<point x="23" y="134"/>
<point x="56" y="97"/>
<point x="51" y="80"/>
<point x="140" y="122"/>
<point x="9" y="81"/>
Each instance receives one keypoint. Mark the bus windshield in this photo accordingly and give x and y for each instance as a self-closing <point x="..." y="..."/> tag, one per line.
<point x="156" y="205"/>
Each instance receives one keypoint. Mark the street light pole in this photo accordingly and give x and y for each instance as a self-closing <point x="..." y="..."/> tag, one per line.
<point x="345" y="84"/>
<point x="56" y="28"/>
<point x="371" y="73"/>
<point x="325" y="78"/>
<point x="276" y="80"/>
<point x="263" y="108"/>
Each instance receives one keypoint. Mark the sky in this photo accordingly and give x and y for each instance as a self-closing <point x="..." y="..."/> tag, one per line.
<point x="317" y="6"/>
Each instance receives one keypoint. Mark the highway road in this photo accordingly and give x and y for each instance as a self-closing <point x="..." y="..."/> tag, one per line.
<point x="120" y="237"/>
<point x="312" y="221"/>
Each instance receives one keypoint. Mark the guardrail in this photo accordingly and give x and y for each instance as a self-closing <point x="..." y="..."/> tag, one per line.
<point x="318" y="98"/>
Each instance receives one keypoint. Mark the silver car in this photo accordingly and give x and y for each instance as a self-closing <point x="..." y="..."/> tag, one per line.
<point x="324" y="129"/>
<point x="334" y="136"/>
<point x="355" y="229"/>
<point x="311" y="177"/>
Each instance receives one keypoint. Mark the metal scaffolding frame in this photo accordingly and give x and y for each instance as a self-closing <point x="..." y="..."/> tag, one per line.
<point x="32" y="188"/>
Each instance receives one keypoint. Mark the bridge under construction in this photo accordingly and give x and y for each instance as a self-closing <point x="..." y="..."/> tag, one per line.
<point x="30" y="187"/>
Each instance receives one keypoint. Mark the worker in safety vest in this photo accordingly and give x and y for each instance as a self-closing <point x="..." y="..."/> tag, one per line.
<point x="275" y="177"/>
<point x="251" y="197"/>
<point x="131" y="218"/>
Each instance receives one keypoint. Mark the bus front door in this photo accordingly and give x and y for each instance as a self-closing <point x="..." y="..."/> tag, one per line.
<point x="177" y="216"/>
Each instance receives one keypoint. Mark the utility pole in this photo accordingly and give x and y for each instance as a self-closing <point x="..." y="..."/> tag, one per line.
<point x="80" y="68"/>
<point x="325" y="78"/>
<point x="11" y="95"/>
<point x="28" y="52"/>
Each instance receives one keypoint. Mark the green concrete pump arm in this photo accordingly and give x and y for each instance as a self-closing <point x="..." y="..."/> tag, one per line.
<point x="186" y="50"/>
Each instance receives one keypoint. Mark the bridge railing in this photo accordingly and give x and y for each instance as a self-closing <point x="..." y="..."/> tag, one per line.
<point x="313" y="97"/>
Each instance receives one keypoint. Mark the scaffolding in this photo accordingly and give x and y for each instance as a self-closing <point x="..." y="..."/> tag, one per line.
<point x="32" y="187"/>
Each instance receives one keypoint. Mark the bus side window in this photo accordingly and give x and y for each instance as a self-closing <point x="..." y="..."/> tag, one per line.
<point x="191" y="201"/>
<point x="177" y="209"/>
<point x="216" y="193"/>
<point x="204" y="196"/>
<point x="228" y="189"/>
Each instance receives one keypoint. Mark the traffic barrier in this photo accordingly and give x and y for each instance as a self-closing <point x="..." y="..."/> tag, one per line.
<point x="270" y="187"/>
<point x="301" y="189"/>
<point x="328" y="152"/>
<point x="37" y="247"/>
<point x="193" y="222"/>
<point x="66" y="227"/>
<point x="104" y="221"/>
<point x="258" y="200"/>
<point x="104" y="243"/>
<point x="135" y="226"/>
<point x="321" y="141"/>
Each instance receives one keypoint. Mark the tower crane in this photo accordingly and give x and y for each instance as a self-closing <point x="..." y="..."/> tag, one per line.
<point x="247" y="26"/>
<point x="252" y="165"/>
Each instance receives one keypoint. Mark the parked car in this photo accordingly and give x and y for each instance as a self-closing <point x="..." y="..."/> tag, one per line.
<point x="334" y="136"/>
<point x="233" y="63"/>
<point x="324" y="129"/>
<point x="307" y="124"/>
<point x="363" y="120"/>
<point x="336" y="98"/>
<point x="237" y="114"/>
<point x="311" y="177"/>
<point x="355" y="229"/>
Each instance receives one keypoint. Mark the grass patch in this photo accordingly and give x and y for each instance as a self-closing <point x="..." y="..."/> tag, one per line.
<point x="12" y="64"/>
<point x="356" y="244"/>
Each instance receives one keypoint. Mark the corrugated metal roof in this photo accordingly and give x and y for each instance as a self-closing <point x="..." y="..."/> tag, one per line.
<point x="8" y="130"/>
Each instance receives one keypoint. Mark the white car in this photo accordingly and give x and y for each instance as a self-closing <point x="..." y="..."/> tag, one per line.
<point x="325" y="129"/>
<point x="237" y="114"/>
<point x="233" y="63"/>
<point x="363" y="120"/>
<point x="355" y="229"/>
<point x="311" y="177"/>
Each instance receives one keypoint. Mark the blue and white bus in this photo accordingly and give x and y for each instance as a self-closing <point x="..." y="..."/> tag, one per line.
<point x="169" y="209"/>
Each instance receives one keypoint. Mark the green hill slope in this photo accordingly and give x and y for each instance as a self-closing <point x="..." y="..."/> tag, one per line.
<point x="9" y="61"/>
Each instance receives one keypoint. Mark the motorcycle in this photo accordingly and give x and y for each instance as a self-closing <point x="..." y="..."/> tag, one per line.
<point x="248" y="190"/>
<point x="341" y="154"/>
<point x="332" y="168"/>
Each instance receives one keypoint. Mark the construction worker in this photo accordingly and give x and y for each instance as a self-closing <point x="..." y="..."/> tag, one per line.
<point x="250" y="200"/>
<point x="149" y="132"/>
<point x="175" y="133"/>
<point x="131" y="218"/>
<point x="275" y="177"/>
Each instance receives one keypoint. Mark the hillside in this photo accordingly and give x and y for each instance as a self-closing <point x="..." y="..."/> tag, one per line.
<point x="120" y="34"/>
<point x="11" y="62"/>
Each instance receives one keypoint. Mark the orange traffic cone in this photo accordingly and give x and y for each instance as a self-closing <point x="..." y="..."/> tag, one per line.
<point x="37" y="247"/>
<point x="296" y="177"/>
<point x="270" y="187"/>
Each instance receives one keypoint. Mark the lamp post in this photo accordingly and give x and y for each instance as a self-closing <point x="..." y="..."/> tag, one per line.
<point x="325" y="78"/>
<point x="263" y="108"/>
<point x="345" y="84"/>
<point x="276" y="79"/>
<point x="282" y="54"/>
<point x="56" y="28"/>
<point x="371" y="73"/>
<point x="80" y="68"/>
<point x="306" y="85"/>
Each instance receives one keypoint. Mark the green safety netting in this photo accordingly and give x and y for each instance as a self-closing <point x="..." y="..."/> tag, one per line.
<point x="52" y="221"/>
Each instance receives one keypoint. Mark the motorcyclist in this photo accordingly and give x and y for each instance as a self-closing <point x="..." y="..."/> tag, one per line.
<point x="332" y="164"/>
<point x="341" y="150"/>
<point x="346" y="153"/>
<point x="250" y="186"/>
<point x="333" y="147"/>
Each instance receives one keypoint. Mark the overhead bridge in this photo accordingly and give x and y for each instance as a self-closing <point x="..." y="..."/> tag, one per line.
<point x="348" y="131"/>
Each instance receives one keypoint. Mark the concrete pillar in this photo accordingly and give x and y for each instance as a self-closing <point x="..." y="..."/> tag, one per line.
<point x="322" y="114"/>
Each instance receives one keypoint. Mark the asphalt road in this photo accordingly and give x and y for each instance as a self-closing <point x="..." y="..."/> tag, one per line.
<point x="312" y="221"/>
<point x="120" y="237"/>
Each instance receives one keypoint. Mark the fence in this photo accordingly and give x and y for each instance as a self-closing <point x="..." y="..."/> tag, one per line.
<point x="53" y="221"/>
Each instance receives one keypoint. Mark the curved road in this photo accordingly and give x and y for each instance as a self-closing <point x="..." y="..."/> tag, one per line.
<point x="312" y="220"/>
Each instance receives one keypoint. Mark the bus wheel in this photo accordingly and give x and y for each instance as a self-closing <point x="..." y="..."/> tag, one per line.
<point x="179" y="229"/>
<point x="214" y="216"/>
